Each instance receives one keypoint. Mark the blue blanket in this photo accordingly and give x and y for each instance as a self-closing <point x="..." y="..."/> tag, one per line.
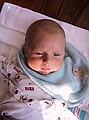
<point x="72" y="80"/>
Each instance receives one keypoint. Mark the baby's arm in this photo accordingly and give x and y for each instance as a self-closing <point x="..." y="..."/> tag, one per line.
<point x="35" y="110"/>
<point x="14" y="109"/>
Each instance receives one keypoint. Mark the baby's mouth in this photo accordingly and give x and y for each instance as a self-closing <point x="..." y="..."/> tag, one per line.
<point x="46" y="69"/>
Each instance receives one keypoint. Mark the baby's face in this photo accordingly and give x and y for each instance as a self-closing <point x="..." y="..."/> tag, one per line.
<point x="47" y="52"/>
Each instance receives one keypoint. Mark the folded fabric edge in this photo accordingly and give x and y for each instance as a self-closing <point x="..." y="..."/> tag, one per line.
<point x="4" y="21"/>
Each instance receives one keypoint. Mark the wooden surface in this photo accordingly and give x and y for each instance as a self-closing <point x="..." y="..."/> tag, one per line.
<point x="75" y="12"/>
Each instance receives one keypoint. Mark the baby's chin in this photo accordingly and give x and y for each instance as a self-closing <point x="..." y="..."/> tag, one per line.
<point x="45" y="72"/>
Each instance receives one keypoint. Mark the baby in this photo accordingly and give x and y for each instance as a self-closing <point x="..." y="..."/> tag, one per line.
<point x="45" y="46"/>
<point x="49" y="77"/>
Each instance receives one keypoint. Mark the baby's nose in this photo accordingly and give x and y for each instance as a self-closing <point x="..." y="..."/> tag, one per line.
<point x="47" y="59"/>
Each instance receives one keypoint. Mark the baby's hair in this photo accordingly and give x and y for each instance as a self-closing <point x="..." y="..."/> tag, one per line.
<point x="45" y="25"/>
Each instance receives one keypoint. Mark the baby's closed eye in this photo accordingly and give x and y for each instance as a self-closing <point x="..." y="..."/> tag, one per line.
<point x="57" y="54"/>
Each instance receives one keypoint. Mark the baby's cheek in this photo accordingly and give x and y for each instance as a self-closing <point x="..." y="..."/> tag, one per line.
<point x="58" y="64"/>
<point x="34" y="63"/>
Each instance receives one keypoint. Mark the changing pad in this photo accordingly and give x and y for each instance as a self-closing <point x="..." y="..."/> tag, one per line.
<point x="14" y="21"/>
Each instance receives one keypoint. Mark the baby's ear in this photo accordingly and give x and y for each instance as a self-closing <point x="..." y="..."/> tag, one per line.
<point x="24" y="49"/>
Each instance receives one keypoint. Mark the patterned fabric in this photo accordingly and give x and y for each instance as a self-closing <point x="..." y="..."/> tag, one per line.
<point x="73" y="77"/>
<point x="27" y="100"/>
<point x="78" y="112"/>
<point x="25" y="96"/>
